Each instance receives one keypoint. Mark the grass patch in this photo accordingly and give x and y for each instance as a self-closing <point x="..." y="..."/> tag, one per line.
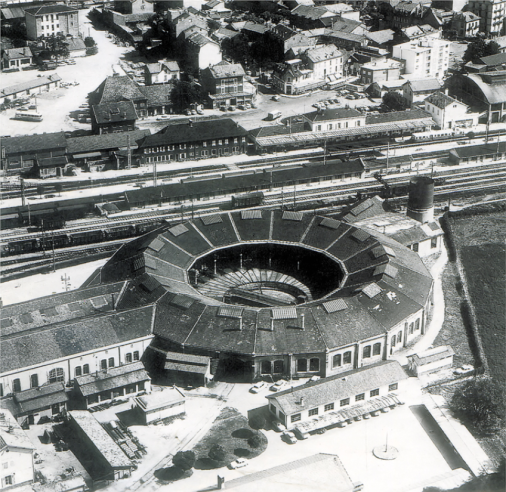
<point x="232" y="431"/>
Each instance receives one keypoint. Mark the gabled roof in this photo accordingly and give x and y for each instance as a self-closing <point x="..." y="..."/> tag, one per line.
<point x="467" y="16"/>
<point x="494" y="60"/>
<point x="114" y="112"/>
<point x="38" y="142"/>
<point x="200" y="40"/>
<point x="75" y="44"/>
<point x="332" y="114"/>
<point x="311" y="12"/>
<point x="254" y="27"/>
<point x="424" y="85"/>
<point x="381" y="37"/>
<point x="117" y="88"/>
<point x="41" y="397"/>
<point x="105" y="141"/>
<point x="226" y="69"/>
<point x="322" y="53"/>
<point x="14" y="53"/>
<point x="51" y="9"/>
<point x="31" y="84"/>
<point x="441" y="100"/>
<point x="157" y="94"/>
<point x="11" y="433"/>
<point x="414" y="114"/>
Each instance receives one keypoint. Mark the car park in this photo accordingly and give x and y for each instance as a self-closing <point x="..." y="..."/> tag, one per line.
<point x="289" y="437"/>
<point x="257" y="387"/>
<point x="278" y="385"/>
<point x="238" y="463"/>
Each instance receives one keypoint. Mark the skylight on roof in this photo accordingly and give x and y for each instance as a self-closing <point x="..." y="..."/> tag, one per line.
<point x="150" y="284"/>
<point x="330" y="223"/>
<point x="335" y="305"/>
<point x="251" y="214"/>
<point x="387" y="269"/>
<point x="378" y="251"/>
<point x="284" y="313"/>
<point x="99" y="302"/>
<point x="230" y="311"/>
<point x="389" y="251"/>
<point x="211" y="219"/>
<point x="360" y="235"/>
<point x="182" y="301"/>
<point x="296" y="216"/>
<point x="361" y="207"/>
<point x="178" y="230"/>
<point x="156" y="245"/>
<point x="371" y="290"/>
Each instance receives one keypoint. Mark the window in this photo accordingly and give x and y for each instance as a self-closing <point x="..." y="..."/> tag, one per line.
<point x="393" y="340"/>
<point x="399" y="337"/>
<point x="136" y="355"/>
<point x="314" y="364"/>
<point x="366" y="353"/>
<point x="393" y="387"/>
<point x="56" y="375"/>
<point x="8" y="480"/>
<point x="213" y="142"/>
<point x="417" y="324"/>
<point x="226" y="141"/>
<point x="411" y="328"/>
<point x="55" y="409"/>
<point x="376" y="349"/>
<point x="415" y="247"/>
<point x="329" y="407"/>
<point x="433" y="242"/>
<point x="204" y="144"/>
<point x="272" y="408"/>
<point x="347" y="358"/>
<point x="34" y="381"/>
<point x="360" y="397"/>
<point x="111" y="361"/>
<point x="278" y="366"/>
<point x="182" y="146"/>
<point x="301" y="365"/>
<point x="86" y="369"/>
<point x="78" y="371"/>
<point x="220" y="142"/>
<point x="103" y="364"/>
<point x="16" y="385"/>
<point x="265" y="367"/>
<point x="313" y="411"/>
<point x="336" y="360"/>
<point x="295" y="417"/>
<point x="344" y="402"/>
<point x="236" y="140"/>
<point x="374" y="392"/>
<point x="1" y="389"/>
<point x="128" y="358"/>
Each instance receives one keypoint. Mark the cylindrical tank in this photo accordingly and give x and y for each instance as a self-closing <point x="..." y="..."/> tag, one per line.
<point x="421" y="199"/>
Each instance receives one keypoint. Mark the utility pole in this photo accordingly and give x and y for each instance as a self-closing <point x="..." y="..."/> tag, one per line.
<point x="294" y="194"/>
<point x="129" y="154"/>
<point x="52" y="241"/>
<point x="388" y="156"/>
<point x="23" y="200"/>
<point x="154" y="175"/>
<point x="66" y="281"/>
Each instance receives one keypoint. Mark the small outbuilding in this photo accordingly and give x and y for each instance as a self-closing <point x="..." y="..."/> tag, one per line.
<point x="432" y="360"/>
<point x="160" y="405"/>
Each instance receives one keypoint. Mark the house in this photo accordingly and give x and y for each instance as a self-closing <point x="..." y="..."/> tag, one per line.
<point x="120" y="88"/>
<point x="20" y="154"/>
<point x="186" y="369"/>
<point x="317" y="472"/>
<point x="47" y="20"/>
<point x="342" y="39"/>
<point x="294" y="78"/>
<point x="339" y="398"/>
<point x="216" y="9"/>
<point x="34" y="86"/>
<point x="381" y="39"/>
<point x="379" y="89"/>
<point x="424" y="57"/>
<point x="106" y="460"/>
<point x="17" y="58"/>
<point x="161" y="72"/>
<point x="312" y="17"/>
<point x="181" y="20"/>
<point x="291" y="38"/>
<point x="483" y="92"/>
<point x="478" y="154"/>
<point x="432" y="360"/>
<point x="324" y="61"/>
<point x="225" y="86"/>
<point x="113" y="117"/>
<point x="493" y="62"/>
<point x="109" y="383"/>
<point x="202" y="51"/>
<point x="76" y="47"/>
<point x="492" y="14"/>
<point x="49" y="167"/>
<point x="449" y="113"/>
<point x="466" y="24"/>
<point x="16" y="453"/>
<point x="418" y="89"/>
<point x="334" y="119"/>
<point x="160" y="405"/>
<point x="193" y="140"/>
<point x="401" y="14"/>
<point x="133" y="6"/>
<point x="381" y="71"/>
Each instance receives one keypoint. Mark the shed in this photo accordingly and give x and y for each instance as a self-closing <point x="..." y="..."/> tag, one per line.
<point x="432" y="360"/>
<point x="160" y="405"/>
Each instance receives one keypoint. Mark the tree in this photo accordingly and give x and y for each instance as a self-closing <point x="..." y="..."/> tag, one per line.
<point x="89" y="42"/>
<point x="395" y="101"/>
<point x="255" y="441"/>
<point x="217" y="453"/>
<point x="257" y="422"/>
<point x="480" y="48"/>
<point x="184" y="460"/>
<point x="184" y="94"/>
<point x="481" y="402"/>
<point x="41" y="190"/>
<point x="55" y="45"/>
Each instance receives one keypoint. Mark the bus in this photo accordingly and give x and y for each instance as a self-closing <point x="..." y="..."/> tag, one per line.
<point x="27" y="116"/>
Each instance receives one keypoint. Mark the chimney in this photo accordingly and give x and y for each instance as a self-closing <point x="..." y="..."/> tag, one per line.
<point x="301" y="402"/>
<point x="221" y="482"/>
<point x="240" y="323"/>
<point x="272" y="324"/>
<point x="302" y="321"/>
<point x="113" y="301"/>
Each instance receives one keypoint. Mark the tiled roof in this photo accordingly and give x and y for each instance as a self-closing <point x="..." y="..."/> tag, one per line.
<point x="339" y="386"/>
<point x="58" y="161"/>
<point x="200" y="40"/>
<point x="31" y="84"/>
<point x="226" y="69"/>
<point x="494" y="60"/>
<point x="9" y="13"/>
<point x="310" y="12"/>
<point x="424" y="85"/>
<point x="41" y="397"/>
<point x="322" y="53"/>
<point x="114" y="112"/>
<point x="413" y="114"/>
<point x="441" y="100"/>
<point x="11" y="433"/>
<point x="115" y="89"/>
<point x="159" y="94"/>
<point x="14" y="53"/>
<point x="51" y="9"/>
<point x="333" y="114"/>
<point x="381" y="37"/>
<point x="75" y="44"/>
<point x="254" y="27"/>
<point x="105" y="142"/>
<point x="38" y="142"/>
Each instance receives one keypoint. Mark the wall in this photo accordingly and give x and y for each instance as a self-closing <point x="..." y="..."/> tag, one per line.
<point x="16" y="463"/>
<point x="209" y="54"/>
<point x="323" y="126"/>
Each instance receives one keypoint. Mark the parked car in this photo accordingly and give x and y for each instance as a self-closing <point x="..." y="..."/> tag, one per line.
<point x="275" y="98"/>
<point x="257" y="387"/>
<point x="163" y="117"/>
<point x="199" y="111"/>
<point x="465" y="369"/>
<point x="289" y="437"/>
<point x="278" y="385"/>
<point x="188" y="112"/>
<point x="241" y="106"/>
<point x="349" y="96"/>
<point x="278" y="426"/>
<point x="314" y="378"/>
<point x="247" y="106"/>
<point x="238" y="463"/>
<point x="301" y="434"/>
<point x="273" y="115"/>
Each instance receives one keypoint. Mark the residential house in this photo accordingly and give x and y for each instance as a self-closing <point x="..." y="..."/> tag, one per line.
<point x="432" y="360"/>
<point x="161" y="72"/>
<point x="324" y="61"/>
<point x="47" y="20"/>
<point x="35" y="86"/>
<point x="449" y="113"/>
<point x="254" y="31"/>
<point x="158" y="98"/>
<point x="345" y="11"/>
<point x="381" y="71"/>
<point x="339" y="398"/>
<point x="225" y="86"/>
<point x="417" y="90"/>
<point x="466" y="24"/>
<point x="17" y="58"/>
<point x="347" y="40"/>
<point x="21" y="154"/>
<point x="76" y="47"/>
<point x="381" y="39"/>
<point x="423" y="31"/>
<point x="402" y="14"/>
<point x="133" y="6"/>
<point x="113" y="117"/>
<point x="202" y="51"/>
<point x="49" y="167"/>
<point x="16" y="454"/>
<point x="483" y="92"/>
<point x="312" y="17"/>
<point x="291" y="38"/>
<point x="425" y="57"/>
<point x="364" y="55"/>
<point x="379" y="89"/>
<point x="492" y="14"/>
<point x="194" y="140"/>
<point x="351" y="26"/>
<point x="181" y="20"/>
<point x="438" y="19"/>
<point x="294" y="78"/>
<point x="216" y="9"/>
<point x="334" y="119"/>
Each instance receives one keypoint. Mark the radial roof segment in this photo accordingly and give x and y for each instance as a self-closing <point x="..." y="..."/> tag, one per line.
<point x="253" y="307"/>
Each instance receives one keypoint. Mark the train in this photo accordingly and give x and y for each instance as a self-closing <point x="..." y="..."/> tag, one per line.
<point x="248" y="200"/>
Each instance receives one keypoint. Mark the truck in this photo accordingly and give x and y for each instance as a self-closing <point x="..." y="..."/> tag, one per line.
<point x="273" y="115"/>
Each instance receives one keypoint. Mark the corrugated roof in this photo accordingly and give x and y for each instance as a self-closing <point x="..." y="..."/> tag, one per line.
<point x="156" y="244"/>
<point x="360" y="235"/>
<point x="330" y="223"/>
<point x="251" y="214"/>
<point x="230" y="311"/>
<point x="211" y="219"/>
<point x="182" y="301"/>
<point x="150" y="284"/>
<point x="387" y="269"/>
<point x="295" y="216"/>
<point x="284" y="313"/>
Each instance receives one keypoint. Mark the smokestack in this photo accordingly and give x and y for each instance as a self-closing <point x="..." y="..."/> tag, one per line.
<point x="421" y="199"/>
<point x="113" y="301"/>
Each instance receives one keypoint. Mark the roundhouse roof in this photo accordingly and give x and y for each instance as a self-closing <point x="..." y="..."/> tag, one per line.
<point x="383" y="283"/>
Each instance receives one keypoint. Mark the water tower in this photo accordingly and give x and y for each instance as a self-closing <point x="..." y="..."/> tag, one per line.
<point x="421" y="199"/>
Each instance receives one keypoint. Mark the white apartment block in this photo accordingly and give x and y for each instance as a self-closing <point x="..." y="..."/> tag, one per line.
<point x="492" y="15"/>
<point x="424" y="57"/>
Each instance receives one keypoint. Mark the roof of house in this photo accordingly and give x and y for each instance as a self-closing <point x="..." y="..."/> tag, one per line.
<point x="339" y="386"/>
<point x="57" y="161"/>
<point x="196" y="131"/>
<point x="199" y="39"/>
<point x="333" y="114"/>
<point x="75" y="44"/>
<point x="467" y="16"/>
<point x="105" y="141"/>
<point x="12" y="12"/>
<point x="38" y="142"/>
<point x="317" y="472"/>
<point x="51" y="9"/>
<point x="14" y="53"/>
<point x="432" y="355"/>
<point x="102" y="441"/>
<point x="41" y="397"/>
<point x="159" y="399"/>
<point x="491" y="84"/>
<point x="363" y="209"/>
<point x="413" y="114"/>
<point x="380" y="37"/>
<point x="114" y="377"/>
<point x="441" y="100"/>
<point x="478" y="150"/>
<point x="198" y="360"/>
<point x="171" y="66"/>
<point x="311" y="12"/>
<point x="254" y="27"/>
<point x="159" y="94"/>
<point x="226" y="69"/>
<point x="425" y="85"/>
<point x="348" y="36"/>
<point x="113" y="112"/>
<point x="31" y="84"/>
<point x="322" y="53"/>
<point x="347" y="25"/>
<point x="117" y="88"/>
<point x="494" y="60"/>
<point x="11" y="433"/>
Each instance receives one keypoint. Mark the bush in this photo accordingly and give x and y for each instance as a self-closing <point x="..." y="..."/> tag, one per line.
<point x="184" y="460"/>
<point x="242" y="433"/>
<point x="89" y="42"/>
<point x="217" y="453"/>
<point x="255" y="441"/>
<point x="257" y="422"/>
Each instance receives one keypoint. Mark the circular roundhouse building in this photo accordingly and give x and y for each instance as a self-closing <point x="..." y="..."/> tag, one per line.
<point x="274" y="293"/>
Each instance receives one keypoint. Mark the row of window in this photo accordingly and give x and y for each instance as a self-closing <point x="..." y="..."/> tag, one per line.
<point x="337" y="126"/>
<point x="184" y="155"/>
<point x="115" y="393"/>
<point x="277" y="367"/>
<point x="212" y="143"/>
<point x="368" y="351"/>
<point x="342" y="403"/>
